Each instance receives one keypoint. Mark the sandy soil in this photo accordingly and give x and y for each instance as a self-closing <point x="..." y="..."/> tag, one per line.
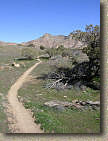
<point x="20" y="120"/>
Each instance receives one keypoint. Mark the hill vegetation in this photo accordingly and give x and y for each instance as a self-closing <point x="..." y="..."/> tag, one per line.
<point x="69" y="75"/>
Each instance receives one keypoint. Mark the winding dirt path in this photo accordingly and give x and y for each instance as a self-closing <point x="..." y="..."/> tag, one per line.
<point x="20" y="119"/>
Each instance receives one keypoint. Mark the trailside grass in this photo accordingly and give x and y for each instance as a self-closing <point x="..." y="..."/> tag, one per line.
<point x="8" y="77"/>
<point x="34" y="94"/>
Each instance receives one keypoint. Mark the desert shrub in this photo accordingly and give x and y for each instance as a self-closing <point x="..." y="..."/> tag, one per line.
<point x="84" y="72"/>
<point x="52" y="52"/>
<point x="29" y="52"/>
<point x="55" y="51"/>
<point x="65" y="54"/>
<point x="42" y="47"/>
<point x="31" y="45"/>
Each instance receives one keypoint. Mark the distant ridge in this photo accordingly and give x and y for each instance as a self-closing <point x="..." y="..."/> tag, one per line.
<point x="51" y="41"/>
<point x="6" y="43"/>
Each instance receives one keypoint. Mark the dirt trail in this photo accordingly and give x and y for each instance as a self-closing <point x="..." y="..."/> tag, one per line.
<point x="21" y="120"/>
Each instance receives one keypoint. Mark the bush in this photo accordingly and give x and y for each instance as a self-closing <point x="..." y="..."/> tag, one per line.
<point x="42" y="47"/>
<point x="55" y="51"/>
<point x="31" y="45"/>
<point x="29" y="52"/>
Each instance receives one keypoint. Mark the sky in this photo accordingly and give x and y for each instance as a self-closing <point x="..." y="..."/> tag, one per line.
<point x="24" y="20"/>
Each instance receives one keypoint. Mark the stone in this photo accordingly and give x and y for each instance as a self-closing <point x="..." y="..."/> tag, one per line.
<point x="16" y="65"/>
<point x="60" y="108"/>
<point x="83" y="103"/>
<point x="51" y="104"/>
<point x="61" y="105"/>
<point x="65" y="96"/>
<point x="97" y="103"/>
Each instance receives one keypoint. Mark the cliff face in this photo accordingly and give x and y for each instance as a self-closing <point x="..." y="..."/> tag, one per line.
<point x="50" y="41"/>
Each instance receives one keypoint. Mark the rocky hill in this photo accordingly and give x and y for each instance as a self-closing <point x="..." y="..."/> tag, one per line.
<point x="50" y="41"/>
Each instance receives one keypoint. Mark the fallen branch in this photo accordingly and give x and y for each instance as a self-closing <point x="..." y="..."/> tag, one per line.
<point x="55" y="82"/>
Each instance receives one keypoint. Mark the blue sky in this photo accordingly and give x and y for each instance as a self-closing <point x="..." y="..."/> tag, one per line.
<point x="24" y="20"/>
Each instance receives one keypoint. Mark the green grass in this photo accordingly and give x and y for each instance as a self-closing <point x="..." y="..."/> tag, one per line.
<point x="8" y="77"/>
<point x="34" y="96"/>
<point x="68" y="121"/>
<point x="3" y="120"/>
<point x="32" y="52"/>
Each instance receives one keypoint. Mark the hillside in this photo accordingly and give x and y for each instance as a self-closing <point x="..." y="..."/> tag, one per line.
<point x="51" y="82"/>
<point x="6" y="43"/>
<point x="50" y="41"/>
